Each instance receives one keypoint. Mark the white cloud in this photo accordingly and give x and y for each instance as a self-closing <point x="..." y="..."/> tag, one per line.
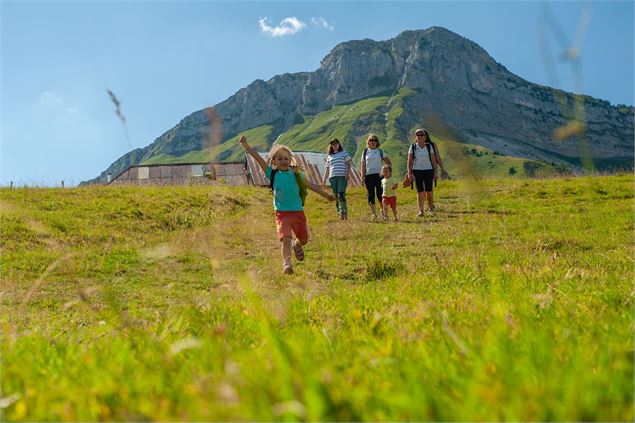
<point x="48" y="99"/>
<point x="323" y="23"/>
<point x="287" y="26"/>
<point x="53" y="100"/>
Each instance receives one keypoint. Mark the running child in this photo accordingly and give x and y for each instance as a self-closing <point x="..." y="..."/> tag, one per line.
<point x="288" y="183"/>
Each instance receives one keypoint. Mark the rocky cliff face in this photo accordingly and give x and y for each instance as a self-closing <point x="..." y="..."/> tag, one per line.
<point x="459" y="89"/>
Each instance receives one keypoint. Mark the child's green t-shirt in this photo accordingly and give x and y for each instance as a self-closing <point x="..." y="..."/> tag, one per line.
<point x="286" y="193"/>
<point x="387" y="184"/>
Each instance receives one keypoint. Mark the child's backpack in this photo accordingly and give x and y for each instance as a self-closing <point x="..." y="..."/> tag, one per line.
<point x="381" y="153"/>
<point x="298" y="179"/>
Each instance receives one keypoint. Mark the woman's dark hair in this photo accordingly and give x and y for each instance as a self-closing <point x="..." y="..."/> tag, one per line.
<point x="333" y="141"/>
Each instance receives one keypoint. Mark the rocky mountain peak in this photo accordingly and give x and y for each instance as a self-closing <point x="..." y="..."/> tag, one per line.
<point x="455" y="80"/>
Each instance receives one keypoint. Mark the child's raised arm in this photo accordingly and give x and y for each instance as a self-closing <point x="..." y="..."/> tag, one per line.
<point x="316" y="188"/>
<point x="253" y="153"/>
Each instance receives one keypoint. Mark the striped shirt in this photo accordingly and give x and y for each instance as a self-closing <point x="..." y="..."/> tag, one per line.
<point x="336" y="163"/>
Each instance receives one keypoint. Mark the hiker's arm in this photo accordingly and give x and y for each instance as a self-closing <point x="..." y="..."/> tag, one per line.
<point x="434" y="163"/>
<point x="410" y="160"/>
<point x="348" y="171"/>
<point x="253" y="153"/>
<point x="437" y="157"/>
<point x="363" y="168"/>
<point x="318" y="189"/>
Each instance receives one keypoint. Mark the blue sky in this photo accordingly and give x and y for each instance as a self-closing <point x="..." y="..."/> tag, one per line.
<point x="165" y="60"/>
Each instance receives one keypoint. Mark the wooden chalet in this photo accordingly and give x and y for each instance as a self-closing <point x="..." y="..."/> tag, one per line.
<point x="183" y="174"/>
<point x="233" y="173"/>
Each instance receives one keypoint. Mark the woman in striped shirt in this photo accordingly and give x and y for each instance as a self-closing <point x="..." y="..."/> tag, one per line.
<point x="338" y="173"/>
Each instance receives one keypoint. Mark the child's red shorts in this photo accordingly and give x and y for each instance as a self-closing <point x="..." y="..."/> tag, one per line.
<point x="391" y="201"/>
<point x="291" y="221"/>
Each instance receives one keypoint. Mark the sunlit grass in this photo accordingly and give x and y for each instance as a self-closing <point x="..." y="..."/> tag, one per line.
<point x="513" y="302"/>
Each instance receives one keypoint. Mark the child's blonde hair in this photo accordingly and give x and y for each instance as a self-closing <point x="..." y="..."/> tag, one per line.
<point x="386" y="167"/>
<point x="293" y="162"/>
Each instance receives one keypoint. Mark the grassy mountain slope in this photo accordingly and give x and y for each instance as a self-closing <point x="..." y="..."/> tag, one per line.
<point x="168" y="303"/>
<point x="351" y="124"/>
<point x="229" y="151"/>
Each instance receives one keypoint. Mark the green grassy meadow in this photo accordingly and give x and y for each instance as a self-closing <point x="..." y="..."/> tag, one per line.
<point x="514" y="302"/>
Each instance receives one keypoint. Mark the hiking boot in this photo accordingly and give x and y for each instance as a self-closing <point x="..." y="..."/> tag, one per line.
<point x="374" y="218"/>
<point x="420" y="214"/>
<point x="288" y="269"/>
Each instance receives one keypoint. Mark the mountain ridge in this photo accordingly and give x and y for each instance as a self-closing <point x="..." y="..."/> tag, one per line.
<point x="460" y="91"/>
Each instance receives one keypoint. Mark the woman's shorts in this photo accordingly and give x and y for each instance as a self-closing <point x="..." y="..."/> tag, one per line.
<point x="289" y="222"/>
<point x="423" y="179"/>
<point x="390" y="201"/>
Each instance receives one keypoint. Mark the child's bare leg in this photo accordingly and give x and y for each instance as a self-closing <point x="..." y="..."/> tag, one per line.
<point x="384" y="211"/>
<point x="286" y="254"/>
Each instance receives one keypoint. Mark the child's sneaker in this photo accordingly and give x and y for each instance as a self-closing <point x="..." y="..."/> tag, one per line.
<point x="297" y="250"/>
<point x="288" y="269"/>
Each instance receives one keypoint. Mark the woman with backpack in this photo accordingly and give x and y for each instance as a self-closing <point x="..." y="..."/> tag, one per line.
<point x="373" y="158"/>
<point x="423" y="163"/>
